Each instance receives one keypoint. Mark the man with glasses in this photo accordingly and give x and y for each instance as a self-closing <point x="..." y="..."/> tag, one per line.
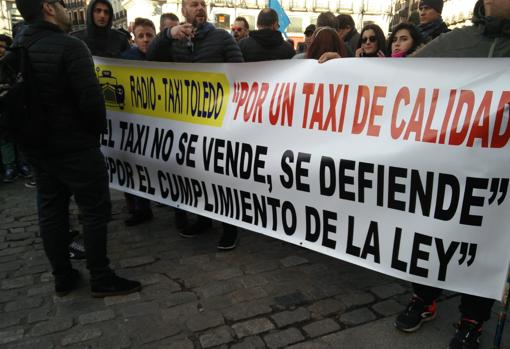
<point x="99" y="36"/>
<point x="197" y="40"/>
<point x="68" y="160"/>
<point x="266" y="43"/>
<point x="240" y="29"/>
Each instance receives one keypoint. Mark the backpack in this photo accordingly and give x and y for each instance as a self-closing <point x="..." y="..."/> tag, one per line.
<point x="22" y="117"/>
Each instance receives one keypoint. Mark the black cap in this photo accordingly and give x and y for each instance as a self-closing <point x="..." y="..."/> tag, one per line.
<point x="310" y="29"/>
<point x="30" y="9"/>
<point x="435" y="4"/>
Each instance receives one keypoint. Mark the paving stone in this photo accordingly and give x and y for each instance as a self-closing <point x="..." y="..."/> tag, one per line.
<point x="185" y="343"/>
<point x="52" y="326"/>
<point x="181" y="312"/>
<point x="226" y="274"/>
<point x="41" y="290"/>
<point x="148" y="329"/>
<point x="254" y="342"/>
<point x="246" y="310"/>
<point x="355" y="299"/>
<point x="248" y="294"/>
<point x="46" y="277"/>
<point x="388" y="307"/>
<point x="11" y="335"/>
<point x="12" y="251"/>
<point x="36" y="343"/>
<point x="321" y="327"/>
<point x="179" y="298"/>
<point x="326" y="307"/>
<point x="139" y="309"/>
<point x="286" y="318"/>
<point x="18" y="235"/>
<point x="261" y="266"/>
<point x="357" y="317"/>
<point x="8" y="320"/>
<point x="215" y="337"/>
<point x="17" y="282"/>
<point x="217" y="288"/>
<point x="108" y="301"/>
<point x="387" y="291"/>
<point x="314" y="344"/>
<point x="151" y="279"/>
<point x="6" y="296"/>
<point x="292" y="299"/>
<point x="161" y="290"/>
<point x="39" y="315"/>
<point x="81" y="335"/>
<point x="205" y="320"/>
<point x="292" y="261"/>
<point x="136" y="262"/>
<point x="97" y="316"/>
<point x="252" y="327"/>
<point x="11" y="266"/>
<point x="283" y="338"/>
<point x="26" y="303"/>
<point x="250" y="281"/>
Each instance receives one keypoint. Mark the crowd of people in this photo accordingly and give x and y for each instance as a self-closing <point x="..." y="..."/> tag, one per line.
<point x="70" y="163"/>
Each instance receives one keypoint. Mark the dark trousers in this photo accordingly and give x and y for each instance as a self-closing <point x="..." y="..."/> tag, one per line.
<point x="181" y="218"/>
<point x="136" y="203"/>
<point x="472" y="307"/>
<point x="58" y="177"/>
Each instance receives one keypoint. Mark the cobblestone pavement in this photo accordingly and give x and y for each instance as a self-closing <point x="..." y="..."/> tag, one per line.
<point x="264" y="294"/>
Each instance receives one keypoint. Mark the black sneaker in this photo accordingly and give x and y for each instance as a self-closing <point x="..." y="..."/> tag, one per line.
<point x="228" y="240"/>
<point x="76" y="250"/>
<point x="10" y="175"/>
<point x="139" y="217"/>
<point x="112" y="285"/>
<point x="30" y="183"/>
<point x="64" y="284"/>
<point x="467" y="335"/>
<point x="24" y="171"/>
<point x="199" y="227"/>
<point x="416" y="313"/>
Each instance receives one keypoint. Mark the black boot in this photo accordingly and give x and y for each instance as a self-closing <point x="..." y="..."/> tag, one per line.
<point x="139" y="217"/>
<point x="109" y="284"/>
<point x="66" y="283"/>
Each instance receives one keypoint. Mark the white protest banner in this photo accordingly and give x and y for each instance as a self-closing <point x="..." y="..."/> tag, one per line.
<point x="400" y="166"/>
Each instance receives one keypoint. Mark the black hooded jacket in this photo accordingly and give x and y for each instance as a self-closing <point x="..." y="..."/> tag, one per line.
<point x="68" y="89"/>
<point x="103" y="42"/>
<point x="265" y="45"/>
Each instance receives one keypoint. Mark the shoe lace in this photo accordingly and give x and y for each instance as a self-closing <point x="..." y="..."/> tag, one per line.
<point x="416" y="305"/>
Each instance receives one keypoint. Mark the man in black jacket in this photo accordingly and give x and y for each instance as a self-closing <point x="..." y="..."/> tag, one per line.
<point x="431" y="22"/>
<point x="68" y="160"/>
<point x="266" y="43"/>
<point x="99" y="36"/>
<point x="196" y="40"/>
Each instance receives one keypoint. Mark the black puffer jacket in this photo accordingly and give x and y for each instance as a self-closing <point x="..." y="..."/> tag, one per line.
<point x="265" y="45"/>
<point x="68" y="88"/>
<point x="210" y="45"/>
<point x="103" y="42"/>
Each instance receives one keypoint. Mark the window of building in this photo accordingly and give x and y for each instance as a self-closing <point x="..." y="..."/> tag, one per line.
<point x="296" y="25"/>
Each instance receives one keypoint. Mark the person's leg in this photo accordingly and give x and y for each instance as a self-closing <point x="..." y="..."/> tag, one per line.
<point x="87" y="178"/>
<point x="8" y="153"/>
<point x="201" y="225"/>
<point x="474" y="312"/>
<point x="142" y="211"/>
<point x="52" y="207"/>
<point x="181" y="219"/>
<point x="420" y="309"/>
<point x="229" y="238"/>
